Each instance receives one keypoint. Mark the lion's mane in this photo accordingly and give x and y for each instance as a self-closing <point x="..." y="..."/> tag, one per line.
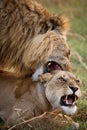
<point x="21" y="23"/>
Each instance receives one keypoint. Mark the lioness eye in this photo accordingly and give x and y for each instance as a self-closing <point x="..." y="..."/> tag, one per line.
<point x="78" y="81"/>
<point x="62" y="79"/>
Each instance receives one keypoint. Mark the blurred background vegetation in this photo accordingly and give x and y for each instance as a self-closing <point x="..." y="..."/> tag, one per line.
<point x="76" y="11"/>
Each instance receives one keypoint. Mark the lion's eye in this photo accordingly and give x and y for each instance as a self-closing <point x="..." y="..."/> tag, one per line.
<point x="62" y="79"/>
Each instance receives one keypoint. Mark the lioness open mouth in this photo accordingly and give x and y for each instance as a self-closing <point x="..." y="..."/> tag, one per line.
<point x="51" y="66"/>
<point x="68" y="100"/>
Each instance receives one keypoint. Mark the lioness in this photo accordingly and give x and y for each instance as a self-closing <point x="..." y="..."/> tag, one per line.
<point x="52" y="91"/>
<point x="30" y="37"/>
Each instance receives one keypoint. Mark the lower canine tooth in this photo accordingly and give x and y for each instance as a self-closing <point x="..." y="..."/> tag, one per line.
<point x="73" y="103"/>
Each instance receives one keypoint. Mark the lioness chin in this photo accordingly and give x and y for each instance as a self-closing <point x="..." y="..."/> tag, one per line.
<point x="52" y="91"/>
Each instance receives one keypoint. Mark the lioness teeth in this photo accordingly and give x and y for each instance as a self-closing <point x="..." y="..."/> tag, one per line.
<point x="70" y="100"/>
<point x="76" y="98"/>
<point x="66" y="98"/>
<point x="73" y="102"/>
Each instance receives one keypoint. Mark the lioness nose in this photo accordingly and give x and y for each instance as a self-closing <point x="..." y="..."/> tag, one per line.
<point x="74" y="89"/>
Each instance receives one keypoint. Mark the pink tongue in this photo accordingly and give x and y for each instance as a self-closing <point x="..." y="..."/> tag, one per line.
<point x="70" y="101"/>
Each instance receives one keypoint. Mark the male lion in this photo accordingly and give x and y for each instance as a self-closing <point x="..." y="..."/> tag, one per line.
<point x="52" y="91"/>
<point x="30" y="37"/>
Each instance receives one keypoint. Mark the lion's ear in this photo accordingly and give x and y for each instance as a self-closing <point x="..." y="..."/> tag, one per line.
<point x="45" y="77"/>
<point x="60" y="23"/>
<point x="65" y="24"/>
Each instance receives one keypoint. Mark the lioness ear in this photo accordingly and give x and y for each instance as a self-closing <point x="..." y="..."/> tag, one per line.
<point x="45" y="77"/>
<point x="60" y="23"/>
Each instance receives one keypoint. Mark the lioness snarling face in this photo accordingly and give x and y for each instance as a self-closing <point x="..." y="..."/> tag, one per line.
<point x="52" y="91"/>
<point x="62" y="91"/>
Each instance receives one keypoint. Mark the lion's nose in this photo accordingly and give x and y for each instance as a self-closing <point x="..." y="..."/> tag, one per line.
<point x="74" y="89"/>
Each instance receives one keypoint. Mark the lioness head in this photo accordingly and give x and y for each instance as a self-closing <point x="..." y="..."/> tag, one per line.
<point x="52" y="91"/>
<point x="62" y="91"/>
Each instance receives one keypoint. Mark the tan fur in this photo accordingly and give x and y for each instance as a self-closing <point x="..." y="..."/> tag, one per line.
<point x="43" y="95"/>
<point x="29" y="35"/>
